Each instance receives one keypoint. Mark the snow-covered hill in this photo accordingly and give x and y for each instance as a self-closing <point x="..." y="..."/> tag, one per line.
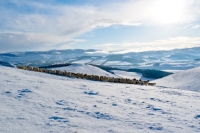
<point x="188" y="80"/>
<point x="178" y="59"/>
<point x="86" y="69"/>
<point x="129" y="75"/>
<point x="37" y="102"/>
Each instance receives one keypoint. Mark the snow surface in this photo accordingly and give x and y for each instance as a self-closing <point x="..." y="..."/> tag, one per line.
<point x="187" y="79"/>
<point x="37" y="102"/>
<point x="86" y="69"/>
<point x="130" y="75"/>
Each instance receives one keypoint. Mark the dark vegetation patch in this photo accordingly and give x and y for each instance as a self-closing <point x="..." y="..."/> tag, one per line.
<point x="6" y="64"/>
<point x="147" y="73"/>
<point x="8" y="55"/>
<point x="56" y="65"/>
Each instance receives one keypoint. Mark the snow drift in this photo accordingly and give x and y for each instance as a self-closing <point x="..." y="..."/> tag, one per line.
<point x="187" y="79"/>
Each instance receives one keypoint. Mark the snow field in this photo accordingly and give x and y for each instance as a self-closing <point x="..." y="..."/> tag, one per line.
<point x="39" y="102"/>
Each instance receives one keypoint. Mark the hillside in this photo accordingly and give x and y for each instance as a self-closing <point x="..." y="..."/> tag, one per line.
<point x="177" y="59"/>
<point x="86" y="69"/>
<point x="37" y="102"/>
<point x="188" y="80"/>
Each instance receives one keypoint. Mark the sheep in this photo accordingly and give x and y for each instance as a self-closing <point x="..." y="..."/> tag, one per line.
<point x="129" y="81"/>
<point x="40" y="70"/>
<point x="122" y="80"/>
<point x="111" y="79"/>
<point x="72" y="75"/>
<point x="30" y="68"/>
<point x="96" y="77"/>
<point x="23" y="67"/>
<point x="92" y="77"/>
<point x="81" y="75"/>
<point x="152" y="84"/>
<point x="46" y="70"/>
<point x="60" y="72"/>
<point x="89" y="77"/>
<point x="35" y="69"/>
<point x="134" y="81"/>
<point x="137" y="82"/>
<point x="78" y="75"/>
<point x="52" y="71"/>
<point x="146" y="82"/>
<point x="104" y="78"/>
<point x="68" y="74"/>
<point x="116" y="80"/>
<point x="85" y="76"/>
<point x="141" y="82"/>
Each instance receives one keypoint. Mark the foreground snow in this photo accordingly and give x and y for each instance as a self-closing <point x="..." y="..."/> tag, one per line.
<point x="187" y="79"/>
<point x="37" y="102"/>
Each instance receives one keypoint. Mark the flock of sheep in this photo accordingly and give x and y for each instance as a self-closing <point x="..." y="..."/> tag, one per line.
<point x="89" y="77"/>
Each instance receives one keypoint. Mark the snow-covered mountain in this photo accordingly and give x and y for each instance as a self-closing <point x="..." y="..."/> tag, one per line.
<point x="38" y="102"/>
<point x="188" y="80"/>
<point x="178" y="59"/>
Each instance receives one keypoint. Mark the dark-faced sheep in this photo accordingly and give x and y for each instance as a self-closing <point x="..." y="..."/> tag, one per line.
<point x="85" y="76"/>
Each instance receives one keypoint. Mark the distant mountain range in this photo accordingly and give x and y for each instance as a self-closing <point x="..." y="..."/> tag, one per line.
<point x="178" y="59"/>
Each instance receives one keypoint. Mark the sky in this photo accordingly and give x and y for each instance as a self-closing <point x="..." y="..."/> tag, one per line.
<point x="109" y="25"/>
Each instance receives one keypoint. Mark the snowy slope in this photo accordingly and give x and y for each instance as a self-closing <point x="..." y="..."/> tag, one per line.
<point x="86" y="69"/>
<point x="129" y="75"/>
<point x="37" y="102"/>
<point x="188" y="80"/>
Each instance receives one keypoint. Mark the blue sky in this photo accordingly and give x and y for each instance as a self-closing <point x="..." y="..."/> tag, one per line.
<point x="114" y="25"/>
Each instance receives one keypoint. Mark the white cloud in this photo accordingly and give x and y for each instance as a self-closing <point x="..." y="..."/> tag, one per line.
<point x="168" y="44"/>
<point x="51" y="25"/>
<point x="37" y="41"/>
<point x="196" y="27"/>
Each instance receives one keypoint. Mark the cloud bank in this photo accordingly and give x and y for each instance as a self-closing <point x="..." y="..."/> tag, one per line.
<point x="168" y="44"/>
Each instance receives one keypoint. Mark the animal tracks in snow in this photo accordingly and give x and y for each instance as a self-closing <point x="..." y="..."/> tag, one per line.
<point x="91" y="93"/>
<point x="58" y="119"/>
<point x="23" y="93"/>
